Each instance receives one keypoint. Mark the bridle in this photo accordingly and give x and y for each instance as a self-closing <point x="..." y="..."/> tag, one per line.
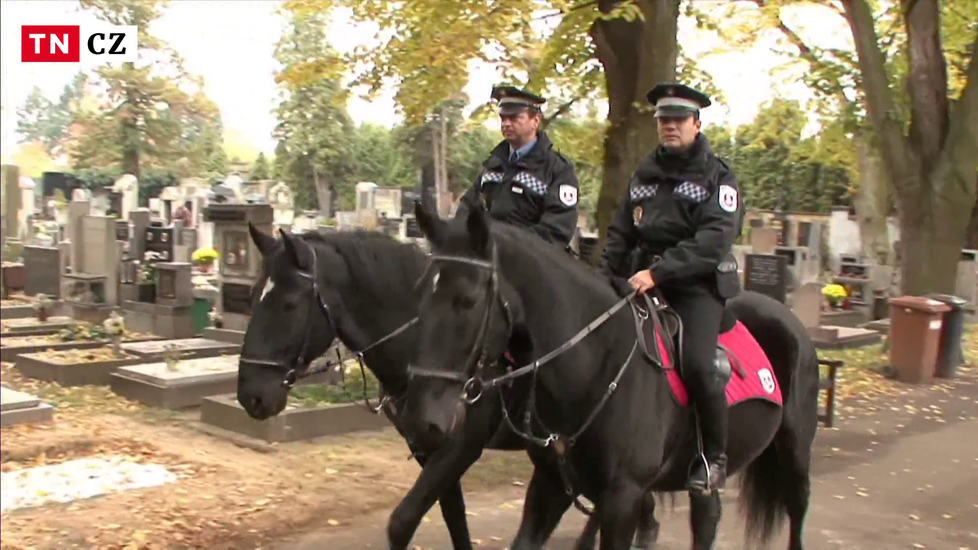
<point x="300" y="367"/>
<point x="473" y="384"/>
<point x="471" y="375"/>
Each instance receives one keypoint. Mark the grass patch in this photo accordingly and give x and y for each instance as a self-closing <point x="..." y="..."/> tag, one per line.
<point x="350" y="389"/>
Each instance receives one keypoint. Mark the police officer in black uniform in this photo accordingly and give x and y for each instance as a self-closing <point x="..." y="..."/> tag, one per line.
<point x="676" y="228"/>
<point x="525" y="181"/>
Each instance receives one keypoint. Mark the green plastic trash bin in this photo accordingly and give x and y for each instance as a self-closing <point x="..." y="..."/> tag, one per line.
<point x="949" y="352"/>
<point x="198" y="314"/>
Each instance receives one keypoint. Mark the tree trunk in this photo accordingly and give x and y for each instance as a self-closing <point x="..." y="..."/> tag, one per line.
<point x="872" y="204"/>
<point x="930" y="243"/>
<point x="131" y="136"/>
<point x="323" y="194"/>
<point x="636" y="55"/>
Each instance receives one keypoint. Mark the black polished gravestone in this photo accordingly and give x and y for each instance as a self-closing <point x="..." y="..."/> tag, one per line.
<point x="236" y="298"/>
<point x="42" y="267"/>
<point x="767" y="274"/>
<point x="160" y="241"/>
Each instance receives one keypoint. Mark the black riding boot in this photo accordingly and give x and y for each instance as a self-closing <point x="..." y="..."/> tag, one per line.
<point x="711" y="411"/>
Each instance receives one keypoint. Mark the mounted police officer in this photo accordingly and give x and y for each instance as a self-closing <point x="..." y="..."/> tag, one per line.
<point x="680" y="218"/>
<point x="525" y="181"/>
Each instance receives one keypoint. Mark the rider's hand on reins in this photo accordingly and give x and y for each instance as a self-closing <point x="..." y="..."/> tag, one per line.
<point x="642" y="281"/>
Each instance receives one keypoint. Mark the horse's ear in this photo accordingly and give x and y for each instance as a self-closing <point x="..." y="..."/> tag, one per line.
<point x="290" y="247"/>
<point x="263" y="242"/>
<point x="478" y="226"/>
<point x="430" y="224"/>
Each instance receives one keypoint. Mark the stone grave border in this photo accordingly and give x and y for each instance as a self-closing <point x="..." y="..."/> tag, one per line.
<point x="28" y="412"/>
<point x="16" y="312"/>
<point x="174" y="396"/>
<point x="200" y="353"/>
<point x="828" y="338"/>
<point x="40" y="330"/>
<point x="225" y="335"/>
<point x="223" y="411"/>
<point x="11" y="353"/>
<point x="73" y="374"/>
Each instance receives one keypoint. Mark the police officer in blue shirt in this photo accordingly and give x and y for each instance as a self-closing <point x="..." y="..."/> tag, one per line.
<point x="525" y="181"/>
<point x="676" y="227"/>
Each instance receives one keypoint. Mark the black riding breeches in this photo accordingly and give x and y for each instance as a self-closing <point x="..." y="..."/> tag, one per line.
<point x="701" y="311"/>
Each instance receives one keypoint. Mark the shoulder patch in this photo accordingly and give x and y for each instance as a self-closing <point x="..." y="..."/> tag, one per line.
<point x="567" y="194"/>
<point x="727" y="198"/>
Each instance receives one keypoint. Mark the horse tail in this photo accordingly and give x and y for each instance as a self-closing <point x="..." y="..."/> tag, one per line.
<point x="776" y="484"/>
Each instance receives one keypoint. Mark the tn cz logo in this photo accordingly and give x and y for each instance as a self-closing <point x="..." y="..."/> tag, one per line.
<point x="69" y="43"/>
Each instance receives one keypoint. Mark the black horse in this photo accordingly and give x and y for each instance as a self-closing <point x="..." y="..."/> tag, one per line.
<point x="358" y="287"/>
<point x="604" y="422"/>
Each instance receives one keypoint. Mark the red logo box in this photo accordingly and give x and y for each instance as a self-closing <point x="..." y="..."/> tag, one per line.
<point x="50" y="43"/>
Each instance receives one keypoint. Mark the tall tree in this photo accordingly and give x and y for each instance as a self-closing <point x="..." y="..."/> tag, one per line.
<point x="313" y="122"/>
<point x="259" y="170"/>
<point x="620" y="47"/>
<point x="933" y="161"/>
<point x="147" y="102"/>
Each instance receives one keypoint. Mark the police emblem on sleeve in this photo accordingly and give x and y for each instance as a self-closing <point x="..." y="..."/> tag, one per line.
<point x="568" y="195"/>
<point x="728" y="198"/>
<point x="637" y="214"/>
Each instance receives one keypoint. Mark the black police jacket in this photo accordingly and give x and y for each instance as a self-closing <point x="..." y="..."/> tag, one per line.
<point x="538" y="192"/>
<point x="681" y="216"/>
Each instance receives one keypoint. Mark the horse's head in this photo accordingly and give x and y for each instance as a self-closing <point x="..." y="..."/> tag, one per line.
<point x="468" y="318"/>
<point x="291" y="322"/>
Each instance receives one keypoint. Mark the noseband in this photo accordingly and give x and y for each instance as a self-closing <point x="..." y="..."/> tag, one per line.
<point x="298" y="369"/>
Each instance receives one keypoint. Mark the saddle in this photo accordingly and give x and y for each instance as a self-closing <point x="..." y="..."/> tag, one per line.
<point x="660" y="335"/>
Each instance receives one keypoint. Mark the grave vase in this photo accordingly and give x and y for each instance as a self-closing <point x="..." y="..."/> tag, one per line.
<point x="42" y="315"/>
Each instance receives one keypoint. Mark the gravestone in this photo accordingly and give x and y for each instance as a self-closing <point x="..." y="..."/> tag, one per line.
<point x="173" y="285"/>
<point x="387" y="202"/>
<point x="966" y="285"/>
<point x="139" y="219"/>
<point x="42" y="268"/>
<point x="240" y="262"/>
<point x="11" y="202"/>
<point x="762" y="239"/>
<point x="806" y="303"/>
<point x="767" y="274"/>
<point x="160" y="241"/>
<point x="77" y="210"/>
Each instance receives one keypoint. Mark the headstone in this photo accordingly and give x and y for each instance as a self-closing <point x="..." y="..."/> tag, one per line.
<point x="139" y="219"/>
<point x="173" y="284"/>
<point x="160" y="241"/>
<point x="240" y="262"/>
<point x="76" y="211"/>
<point x="11" y="202"/>
<point x="806" y="303"/>
<point x="128" y="189"/>
<point x="767" y="274"/>
<point x="387" y="202"/>
<point x="101" y="253"/>
<point x="42" y="270"/>
<point x="966" y="286"/>
<point x="762" y="239"/>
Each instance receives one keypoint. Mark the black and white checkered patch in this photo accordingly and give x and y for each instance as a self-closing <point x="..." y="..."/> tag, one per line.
<point x="638" y="192"/>
<point x="531" y="183"/>
<point x="692" y="191"/>
<point x="491" y="177"/>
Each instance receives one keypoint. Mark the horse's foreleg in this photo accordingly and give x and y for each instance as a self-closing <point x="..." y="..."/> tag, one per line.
<point x="648" y="527"/>
<point x="439" y="480"/>
<point x="704" y="518"/>
<point x="619" y="509"/>
<point x="543" y="507"/>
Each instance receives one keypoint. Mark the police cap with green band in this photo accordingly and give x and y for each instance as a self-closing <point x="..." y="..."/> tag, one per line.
<point x="512" y="100"/>
<point x="677" y="100"/>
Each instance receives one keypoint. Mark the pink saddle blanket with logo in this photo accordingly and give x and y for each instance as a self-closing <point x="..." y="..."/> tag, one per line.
<point x="754" y="379"/>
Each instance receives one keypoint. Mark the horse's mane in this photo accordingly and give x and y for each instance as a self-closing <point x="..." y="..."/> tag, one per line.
<point x="381" y="263"/>
<point x="563" y="265"/>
